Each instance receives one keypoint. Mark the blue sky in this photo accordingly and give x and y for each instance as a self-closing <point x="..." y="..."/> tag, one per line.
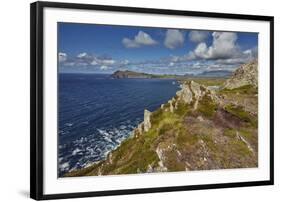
<point x="106" y="48"/>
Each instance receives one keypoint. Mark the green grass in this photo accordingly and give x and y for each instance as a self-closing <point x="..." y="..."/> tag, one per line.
<point x="183" y="109"/>
<point x="242" y="114"/>
<point x="207" y="107"/>
<point x="184" y="138"/>
<point x="247" y="90"/>
<point x="239" y="147"/>
<point x="229" y="132"/>
<point x="207" y="81"/>
<point x="173" y="163"/>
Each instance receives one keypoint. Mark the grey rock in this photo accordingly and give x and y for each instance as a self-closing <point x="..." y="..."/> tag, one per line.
<point x="185" y="93"/>
<point x="246" y="74"/>
<point x="146" y="121"/>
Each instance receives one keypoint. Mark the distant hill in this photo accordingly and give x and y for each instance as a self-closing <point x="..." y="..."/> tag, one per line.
<point x="215" y="73"/>
<point x="139" y="75"/>
<point x="129" y="74"/>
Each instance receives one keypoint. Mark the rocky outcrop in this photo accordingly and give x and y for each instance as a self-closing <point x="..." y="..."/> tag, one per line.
<point x="146" y="120"/>
<point x="246" y="74"/>
<point x="185" y="93"/>
<point x="192" y="92"/>
<point x="145" y="125"/>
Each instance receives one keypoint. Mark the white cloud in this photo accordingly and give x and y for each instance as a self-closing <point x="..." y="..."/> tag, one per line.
<point x="128" y="43"/>
<point x="104" y="67"/>
<point x="141" y="39"/>
<point x="198" y="36"/>
<point x="171" y="64"/>
<point x="174" y="38"/>
<point x="109" y="62"/>
<point x="94" y="62"/>
<point x="224" y="46"/>
<point x="201" y="51"/>
<point x="82" y="55"/>
<point x="62" y="57"/>
<point x="253" y="52"/>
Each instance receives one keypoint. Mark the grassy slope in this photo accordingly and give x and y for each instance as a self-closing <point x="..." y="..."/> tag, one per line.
<point x="207" y="138"/>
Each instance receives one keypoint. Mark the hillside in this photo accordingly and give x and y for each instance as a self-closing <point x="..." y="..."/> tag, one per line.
<point x="247" y="74"/>
<point x="129" y="74"/>
<point x="198" y="129"/>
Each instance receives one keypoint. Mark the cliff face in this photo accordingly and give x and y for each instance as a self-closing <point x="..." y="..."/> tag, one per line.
<point x="247" y="74"/>
<point x="198" y="129"/>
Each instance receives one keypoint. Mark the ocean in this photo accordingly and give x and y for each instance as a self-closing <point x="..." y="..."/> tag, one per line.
<point x="96" y="113"/>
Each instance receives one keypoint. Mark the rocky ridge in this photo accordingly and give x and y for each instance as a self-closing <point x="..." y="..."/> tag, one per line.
<point x="198" y="129"/>
<point x="247" y="74"/>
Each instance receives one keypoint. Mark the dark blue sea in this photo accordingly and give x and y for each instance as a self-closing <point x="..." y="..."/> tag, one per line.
<point x="96" y="113"/>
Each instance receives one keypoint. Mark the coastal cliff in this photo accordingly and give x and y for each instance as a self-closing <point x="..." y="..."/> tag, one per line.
<point x="202" y="127"/>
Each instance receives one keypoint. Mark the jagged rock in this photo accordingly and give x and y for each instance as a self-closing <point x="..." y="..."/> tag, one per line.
<point x="161" y="167"/>
<point x="139" y="130"/>
<point x="171" y="106"/>
<point x="149" y="169"/>
<point x="110" y="158"/>
<point x="195" y="87"/>
<point x="146" y="120"/>
<point x="185" y="93"/>
<point x="176" y="104"/>
<point x="193" y="92"/>
<point x="246" y="74"/>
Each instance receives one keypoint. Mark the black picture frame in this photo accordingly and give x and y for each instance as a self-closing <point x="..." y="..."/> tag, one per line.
<point x="36" y="98"/>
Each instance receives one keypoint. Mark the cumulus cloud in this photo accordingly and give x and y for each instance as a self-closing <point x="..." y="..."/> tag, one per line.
<point x="198" y="36"/>
<point x="141" y="39"/>
<point x="174" y="38"/>
<point x="90" y="62"/>
<point x="223" y="46"/>
<point x="221" y="53"/>
<point x="62" y="57"/>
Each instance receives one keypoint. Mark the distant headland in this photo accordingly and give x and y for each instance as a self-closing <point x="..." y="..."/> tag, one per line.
<point x="127" y="74"/>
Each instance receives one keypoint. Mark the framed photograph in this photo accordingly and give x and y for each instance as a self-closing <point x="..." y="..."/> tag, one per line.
<point x="134" y="100"/>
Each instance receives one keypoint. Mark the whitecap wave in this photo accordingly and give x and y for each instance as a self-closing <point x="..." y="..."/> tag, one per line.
<point x="85" y="151"/>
